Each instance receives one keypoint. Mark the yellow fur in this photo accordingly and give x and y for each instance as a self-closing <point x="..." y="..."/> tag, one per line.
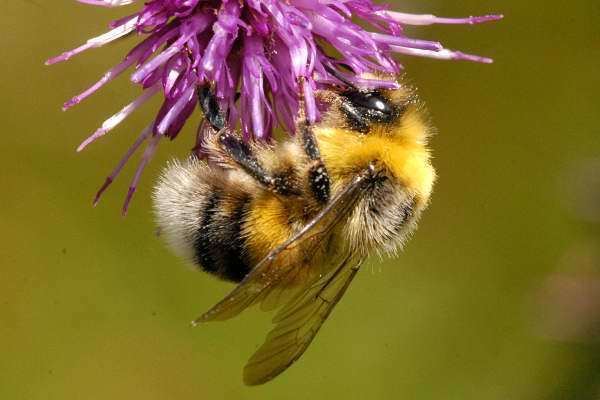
<point x="405" y="155"/>
<point x="266" y="226"/>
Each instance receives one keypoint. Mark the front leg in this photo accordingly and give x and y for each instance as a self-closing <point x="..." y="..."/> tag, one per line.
<point x="318" y="178"/>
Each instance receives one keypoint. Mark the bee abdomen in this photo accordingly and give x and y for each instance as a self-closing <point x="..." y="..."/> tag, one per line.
<point x="218" y="246"/>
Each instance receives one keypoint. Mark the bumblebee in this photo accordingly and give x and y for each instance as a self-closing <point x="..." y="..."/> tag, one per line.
<point x="290" y="223"/>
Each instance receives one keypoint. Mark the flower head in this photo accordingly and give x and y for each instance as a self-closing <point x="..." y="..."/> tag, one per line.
<point x="261" y="57"/>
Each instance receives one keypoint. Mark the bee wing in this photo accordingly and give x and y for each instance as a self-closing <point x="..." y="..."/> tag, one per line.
<point x="269" y="284"/>
<point x="298" y="322"/>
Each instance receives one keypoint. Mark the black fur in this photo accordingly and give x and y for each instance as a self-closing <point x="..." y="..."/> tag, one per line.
<point x="234" y="266"/>
<point x="203" y="243"/>
<point x="219" y="246"/>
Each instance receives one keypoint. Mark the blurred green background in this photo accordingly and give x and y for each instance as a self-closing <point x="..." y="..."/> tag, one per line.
<point x="496" y="296"/>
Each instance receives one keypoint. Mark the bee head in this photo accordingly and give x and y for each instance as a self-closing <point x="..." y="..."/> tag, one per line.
<point x="388" y="112"/>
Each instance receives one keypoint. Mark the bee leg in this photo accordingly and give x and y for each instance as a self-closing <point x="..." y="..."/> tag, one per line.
<point x="210" y="108"/>
<point x="241" y="153"/>
<point x="318" y="178"/>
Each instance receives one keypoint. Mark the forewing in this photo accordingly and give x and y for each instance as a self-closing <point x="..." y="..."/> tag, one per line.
<point x="271" y="285"/>
<point x="298" y="322"/>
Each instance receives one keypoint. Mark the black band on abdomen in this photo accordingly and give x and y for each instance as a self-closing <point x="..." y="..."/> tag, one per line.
<point x="219" y="246"/>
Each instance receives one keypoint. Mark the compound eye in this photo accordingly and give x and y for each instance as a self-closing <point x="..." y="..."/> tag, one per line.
<point x="372" y="101"/>
<point x="368" y="107"/>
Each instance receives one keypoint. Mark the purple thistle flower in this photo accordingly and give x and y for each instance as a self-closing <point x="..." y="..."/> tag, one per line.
<point x="269" y="53"/>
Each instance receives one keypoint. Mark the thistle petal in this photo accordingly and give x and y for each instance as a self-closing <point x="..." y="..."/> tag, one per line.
<point x="273" y="53"/>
